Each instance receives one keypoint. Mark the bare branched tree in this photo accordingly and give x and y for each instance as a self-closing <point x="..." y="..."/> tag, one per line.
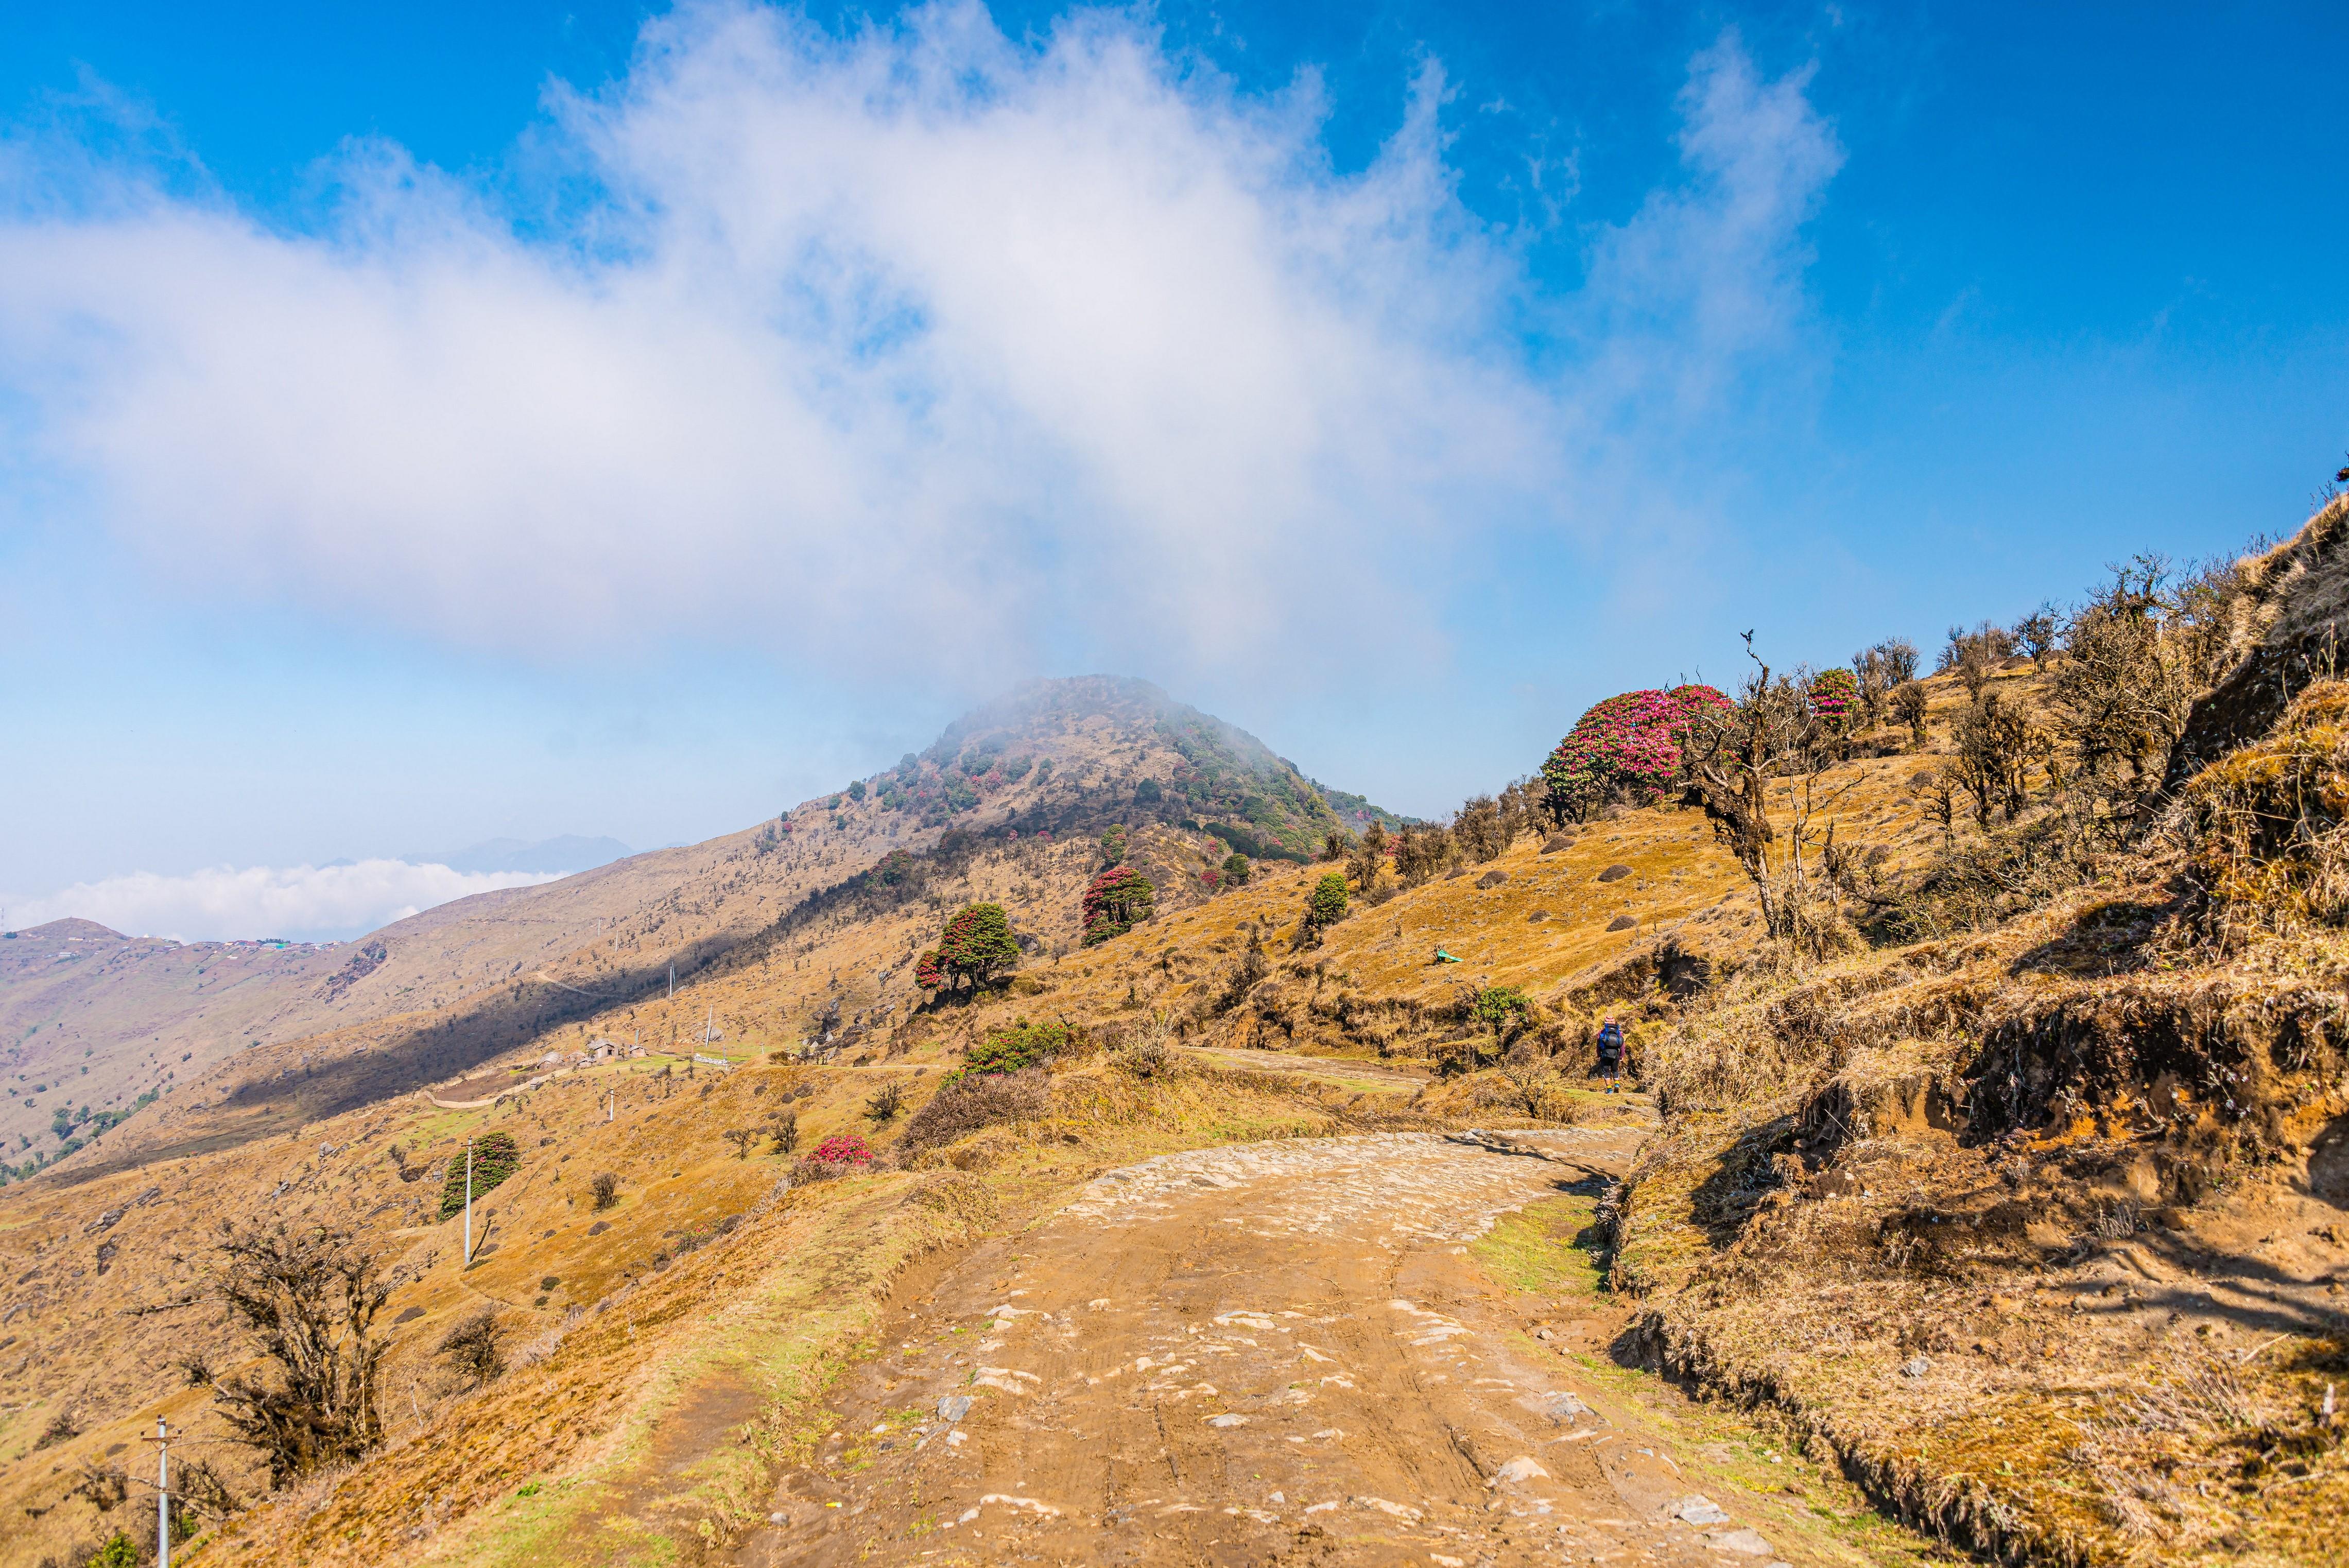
<point x="1477" y="828"/>
<point x="2137" y="654"/>
<point x="309" y="1300"/>
<point x="1770" y="748"/>
<point x="1367" y="857"/>
<point x="1908" y="703"/>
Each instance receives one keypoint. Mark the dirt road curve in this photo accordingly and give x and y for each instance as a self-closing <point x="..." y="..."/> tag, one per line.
<point x="1278" y="1353"/>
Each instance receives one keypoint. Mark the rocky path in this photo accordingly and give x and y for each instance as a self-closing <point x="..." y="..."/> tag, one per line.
<point x="1276" y="1353"/>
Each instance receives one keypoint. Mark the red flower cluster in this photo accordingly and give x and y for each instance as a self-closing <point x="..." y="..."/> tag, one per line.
<point x="1116" y="898"/>
<point x="1630" y="742"/>
<point x="842" y="1149"/>
<point x="1835" y="696"/>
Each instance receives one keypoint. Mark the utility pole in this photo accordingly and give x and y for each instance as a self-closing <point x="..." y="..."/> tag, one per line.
<point x="469" y="1202"/>
<point x="672" y="980"/>
<point x="162" y="1493"/>
<point x="611" y="1103"/>
<point x="709" y="1025"/>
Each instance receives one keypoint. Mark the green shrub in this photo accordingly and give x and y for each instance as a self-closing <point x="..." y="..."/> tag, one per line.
<point x="1024" y="1044"/>
<point x="1326" y="906"/>
<point x="495" y="1157"/>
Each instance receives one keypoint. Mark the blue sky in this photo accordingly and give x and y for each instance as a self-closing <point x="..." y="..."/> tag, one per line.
<point x="427" y="424"/>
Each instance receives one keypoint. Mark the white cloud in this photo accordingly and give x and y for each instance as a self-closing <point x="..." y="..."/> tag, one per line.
<point x="224" y="903"/>
<point x="915" y="350"/>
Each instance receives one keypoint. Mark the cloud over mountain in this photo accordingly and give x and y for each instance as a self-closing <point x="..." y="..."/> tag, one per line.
<point x="912" y="349"/>
<point x="223" y="903"/>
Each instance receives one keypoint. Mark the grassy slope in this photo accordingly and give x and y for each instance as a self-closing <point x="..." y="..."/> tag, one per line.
<point x="2093" y="1328"/>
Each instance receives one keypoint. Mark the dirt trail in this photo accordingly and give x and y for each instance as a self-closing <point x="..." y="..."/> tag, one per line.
<point x="1273" y="1352"/>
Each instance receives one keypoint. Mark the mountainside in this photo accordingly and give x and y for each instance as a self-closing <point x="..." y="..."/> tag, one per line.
<point x="299" y="1031"/>
<point x="1991" y="1146"/>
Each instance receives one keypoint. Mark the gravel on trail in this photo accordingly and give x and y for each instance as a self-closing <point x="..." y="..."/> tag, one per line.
<point x="1271" y="1353"/>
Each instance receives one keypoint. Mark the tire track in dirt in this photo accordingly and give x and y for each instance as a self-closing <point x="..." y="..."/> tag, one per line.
<point x="1271" y="1353"/>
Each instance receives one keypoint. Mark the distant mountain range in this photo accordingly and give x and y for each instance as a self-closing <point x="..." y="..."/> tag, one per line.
<point x="569" y="852"/>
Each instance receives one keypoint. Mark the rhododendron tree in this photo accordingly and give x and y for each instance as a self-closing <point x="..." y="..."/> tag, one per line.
<point x="930" y="971"/>
<point x="1835" y="696"/>
<point x="1631" y="743"/>
<point x="1114" y="901"/>
<point x="842" y="1149"/>
<point x="977" y="942"/>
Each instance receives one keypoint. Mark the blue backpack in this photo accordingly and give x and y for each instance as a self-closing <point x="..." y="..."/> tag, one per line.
<point x="1611" y="1043"/>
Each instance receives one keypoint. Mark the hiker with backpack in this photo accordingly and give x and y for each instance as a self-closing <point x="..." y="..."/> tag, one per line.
<point x="1611" y="1054"/>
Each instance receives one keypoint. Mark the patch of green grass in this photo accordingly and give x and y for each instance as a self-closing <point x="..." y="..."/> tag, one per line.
<point x="1549" y="1247"/>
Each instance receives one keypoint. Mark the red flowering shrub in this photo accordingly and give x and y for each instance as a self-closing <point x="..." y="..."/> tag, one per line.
<point x="930" y="971"/>
<point x="1631" y="743"/>
<point x="842" y="1149"/>
<point x="977" y="942"/>
<point x="1114" y="901"/>
<point x="1835" y="696"/>
<point x="1211" y="879"/>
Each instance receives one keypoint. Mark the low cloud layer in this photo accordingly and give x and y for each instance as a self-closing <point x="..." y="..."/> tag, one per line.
<point x="920" y="350"/>
<point x="311" y="903"/>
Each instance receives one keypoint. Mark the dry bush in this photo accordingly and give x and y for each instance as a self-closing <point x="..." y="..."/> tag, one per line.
<point x="1973" y="886"/>
<point x="1478" y="829"/>
<point x="959" y="1196"/>
<point x="1541" y="1092"/>
<point x="2269" y="822"/>
<point x="1996" y="743"/>
<point x="1150" y="1051"/>
<point x="885" y="1103"/>
<point x="1907" y="702"/>
<point x="1426" y="849"/>
<point x="309" y="1299"/>
<point x="965" y="1104"/>
<point x="61" y="1428"/>
<point x="1367" y="856"/>
<point x="605" y="1190"/>
<point x="471" y="1350"/>
<point x="784" y="1128"/>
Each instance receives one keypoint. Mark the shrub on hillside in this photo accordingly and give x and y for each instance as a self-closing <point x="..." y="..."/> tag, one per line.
<point x="975" y="945"/>
<point x="1368" y="855"/>
<point x="1629" y="745"/>
<point x="2270" y="847"/>
<point x="1422" y="849"/>
<point x="471" y="1350"/>
<point x="308" y="1299"/>
<point x="1236" y="871"/>
<point x="496" y="1157"/>
<point x="1477" y="828"/>
<point x="1021" y="1046"/>
<point x="1908" y="703"/>
<point x="605" y="1190"/>
<point x="1834" y="697"/>
<point x="969" y="1101"/>
<point x="1114" y="902"/>
<point x="1326" y="904"/>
